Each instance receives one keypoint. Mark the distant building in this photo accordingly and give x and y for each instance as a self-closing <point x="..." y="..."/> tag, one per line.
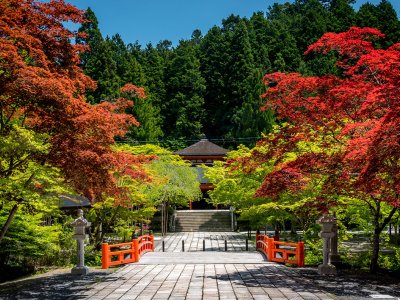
<point x="73" y="202"/>
<point x="203" y="152"/>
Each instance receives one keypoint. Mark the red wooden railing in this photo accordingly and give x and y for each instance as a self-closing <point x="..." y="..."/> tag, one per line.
<point x="283" y="252"/>
<point x="126" y="252"/>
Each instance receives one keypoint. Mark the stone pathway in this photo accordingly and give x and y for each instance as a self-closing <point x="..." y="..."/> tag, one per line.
<point x="206" y="281"/>
<point x="193" y="241"/>
<point x="204" y="275"/>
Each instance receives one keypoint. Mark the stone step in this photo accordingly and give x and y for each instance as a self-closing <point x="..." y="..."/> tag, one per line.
<point x="203" y="220"/>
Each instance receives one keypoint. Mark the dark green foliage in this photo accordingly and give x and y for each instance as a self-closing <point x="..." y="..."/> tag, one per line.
<point x="98" y="63"/>
<point x="213" y="68"/>
<point x="342" y="16"/>
<point x="210" y="84"/>
<point x="382" y="16"/>
<point x="127" y="67"/>
<point x="185" y="91"/>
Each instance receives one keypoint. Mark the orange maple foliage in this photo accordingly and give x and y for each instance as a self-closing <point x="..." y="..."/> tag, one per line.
<point x="42" y="87"/>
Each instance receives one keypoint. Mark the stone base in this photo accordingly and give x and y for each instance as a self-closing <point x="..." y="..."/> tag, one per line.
<point x="326" y="270"/>
<point x="80" y="270"/>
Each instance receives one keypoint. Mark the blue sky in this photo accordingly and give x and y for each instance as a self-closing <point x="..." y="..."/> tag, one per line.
<point x="155" y="20"/>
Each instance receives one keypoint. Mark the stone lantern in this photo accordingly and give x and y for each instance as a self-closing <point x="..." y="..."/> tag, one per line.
<point x="327" y="222"/>
<point x="80" y="225"/>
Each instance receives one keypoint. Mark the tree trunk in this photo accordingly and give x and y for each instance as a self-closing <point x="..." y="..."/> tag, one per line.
<point x="7" y="224"/>
<point x="13" y="211"/>
<point x="378" y="228"/>
<point x="99" y="239"/>
<point x="375" y="250"/>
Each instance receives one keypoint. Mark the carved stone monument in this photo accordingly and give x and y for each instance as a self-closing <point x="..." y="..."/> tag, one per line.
<point x="80" y="224"/>
<point x="327" y="222"/>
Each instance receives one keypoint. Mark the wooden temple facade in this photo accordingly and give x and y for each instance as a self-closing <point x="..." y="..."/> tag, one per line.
<point x="203" y="152"/>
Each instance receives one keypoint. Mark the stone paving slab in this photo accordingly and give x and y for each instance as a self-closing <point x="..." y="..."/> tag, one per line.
<point x="155" y="258"/>
<point x="206" y="281"/>
<point x="193" y="241"/>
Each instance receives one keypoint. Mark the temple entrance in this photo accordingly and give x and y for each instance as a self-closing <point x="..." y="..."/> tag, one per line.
<point x="203" y="152"/>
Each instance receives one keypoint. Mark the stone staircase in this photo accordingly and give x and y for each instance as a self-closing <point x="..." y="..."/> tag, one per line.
<point x="203" y="220"/>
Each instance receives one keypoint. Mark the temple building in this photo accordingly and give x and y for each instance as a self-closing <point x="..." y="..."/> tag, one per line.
<point x="203" y="152"/>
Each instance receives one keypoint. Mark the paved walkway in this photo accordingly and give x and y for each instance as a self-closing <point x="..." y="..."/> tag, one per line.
<point x="202" y="275"/>
<point x="193" y="241"/>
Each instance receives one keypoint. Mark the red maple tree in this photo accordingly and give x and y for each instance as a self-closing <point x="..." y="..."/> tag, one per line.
<point x="42" y="88"/>
<point x="354" y="116"/>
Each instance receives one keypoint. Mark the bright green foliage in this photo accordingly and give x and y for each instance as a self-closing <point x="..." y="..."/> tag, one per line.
<point x="233" y="186"/>
<point x="23" y="180"/>
<point x="237" y="181"/>
<point x="148" y="115"/>
<point x="28" y="185"/>
<point x="28" y="241"/>
<point x="122" y="217"/>
<point x="173" y="181"/>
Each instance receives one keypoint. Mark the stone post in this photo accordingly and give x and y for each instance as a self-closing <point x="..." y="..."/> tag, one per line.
<point x="334" y="255"/>
<point x="327" y="222"/>
<point x="232" y="209"/>
<point x="80" y="225"/>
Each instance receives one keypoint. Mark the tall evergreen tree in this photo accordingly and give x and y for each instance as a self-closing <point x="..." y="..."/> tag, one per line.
<point x="244" y="88"/>
<point x="154" y="70"/>
<point x="98" y="63"/>
<point x="128" y="69"/>
<point x="259" y="42"/>
<point x="342" y="16"/>
<point x="185" y="92"/>
<point x="383" y="17"/>
<point x="214" y="68"/>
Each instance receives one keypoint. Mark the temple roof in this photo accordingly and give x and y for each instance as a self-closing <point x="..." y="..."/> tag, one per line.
<point x="73" y="201"/>
<point x="203" y="148"/>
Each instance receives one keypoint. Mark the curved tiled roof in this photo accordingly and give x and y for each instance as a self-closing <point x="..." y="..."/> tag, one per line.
<point x="202" y="148"/>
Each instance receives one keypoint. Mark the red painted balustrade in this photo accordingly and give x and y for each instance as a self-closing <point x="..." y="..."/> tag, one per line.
<point x="283" y="252"/>
<point x="124" y="253"/>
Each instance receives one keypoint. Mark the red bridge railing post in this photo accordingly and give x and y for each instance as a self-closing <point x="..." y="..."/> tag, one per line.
<point x="135" y="249"/>
<point x="152" y="242"/>
<point x="105" y="256"/>
<point x="300" y="254"/>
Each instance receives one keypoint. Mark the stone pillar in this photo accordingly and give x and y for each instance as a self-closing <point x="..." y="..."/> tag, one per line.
<point x="232" y="209"/>
<point x="334" y="255"/>
<point x="80" y="225"/>
<point x="327" y="222"/>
